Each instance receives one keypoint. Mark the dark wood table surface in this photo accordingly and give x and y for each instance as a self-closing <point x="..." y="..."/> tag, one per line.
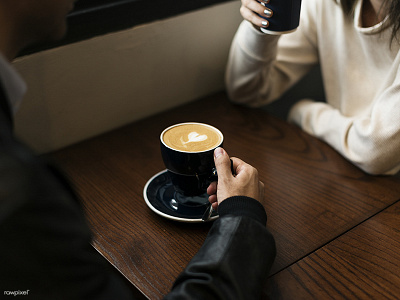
<point x="336" y="228"/>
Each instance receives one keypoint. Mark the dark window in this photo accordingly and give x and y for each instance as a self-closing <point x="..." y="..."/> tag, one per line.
<point x="96" y="17"/>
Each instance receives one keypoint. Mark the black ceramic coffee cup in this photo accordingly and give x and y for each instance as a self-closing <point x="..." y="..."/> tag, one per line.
<point x="285" y="16"/>
<point x="191" y="169"/>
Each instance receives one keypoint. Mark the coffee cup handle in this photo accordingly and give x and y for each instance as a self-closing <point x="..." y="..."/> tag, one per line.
<point x="214" y="173"/>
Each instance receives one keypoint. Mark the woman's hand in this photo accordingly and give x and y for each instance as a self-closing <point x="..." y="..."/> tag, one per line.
<point x="252" y="10"/>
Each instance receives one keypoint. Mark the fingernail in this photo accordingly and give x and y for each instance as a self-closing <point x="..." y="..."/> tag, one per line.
<point x="218" y="152"/>
<point x="268" y="13"/>
<point x="264" y="23"/>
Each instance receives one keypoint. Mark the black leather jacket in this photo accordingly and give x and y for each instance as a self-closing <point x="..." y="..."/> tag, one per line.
<point x="45" y="241"/>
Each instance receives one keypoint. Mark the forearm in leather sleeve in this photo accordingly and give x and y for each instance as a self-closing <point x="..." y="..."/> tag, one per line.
<point x="233" y="262"/>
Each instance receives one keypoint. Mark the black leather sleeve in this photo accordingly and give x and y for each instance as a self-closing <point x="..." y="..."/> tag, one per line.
<point x="235" y="259"/>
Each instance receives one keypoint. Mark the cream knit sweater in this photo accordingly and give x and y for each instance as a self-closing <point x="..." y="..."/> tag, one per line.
<point x="361" y="75"/>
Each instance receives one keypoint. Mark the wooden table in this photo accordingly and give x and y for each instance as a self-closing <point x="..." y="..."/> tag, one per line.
<point x="336" y="228"/>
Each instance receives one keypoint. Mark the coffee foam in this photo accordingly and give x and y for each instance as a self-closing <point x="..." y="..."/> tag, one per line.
<point x="192" y="137"/>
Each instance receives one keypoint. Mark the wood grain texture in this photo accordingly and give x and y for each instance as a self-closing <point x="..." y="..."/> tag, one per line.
<point x="363" y="263"/>
<point x="313" y="195"/>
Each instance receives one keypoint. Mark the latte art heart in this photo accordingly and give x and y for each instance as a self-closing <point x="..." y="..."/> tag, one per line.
<point x="192" y="137"/>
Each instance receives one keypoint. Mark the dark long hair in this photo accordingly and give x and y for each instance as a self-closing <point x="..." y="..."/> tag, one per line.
<point x="391" y="6"/>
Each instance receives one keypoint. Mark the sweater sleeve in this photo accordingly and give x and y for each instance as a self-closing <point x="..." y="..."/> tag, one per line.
<point x="262" y="67"/>
<point x="370" y="141"/>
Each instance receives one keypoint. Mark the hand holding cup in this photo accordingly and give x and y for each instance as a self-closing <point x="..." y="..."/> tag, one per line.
<point x="245" y="182"/>
<point x="272" y="16"/>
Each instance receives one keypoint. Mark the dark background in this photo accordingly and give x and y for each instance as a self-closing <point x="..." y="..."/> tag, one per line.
<point x="91" y="18"/>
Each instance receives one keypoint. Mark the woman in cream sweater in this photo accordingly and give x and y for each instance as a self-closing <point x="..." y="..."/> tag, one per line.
<point x="356" y="44"/>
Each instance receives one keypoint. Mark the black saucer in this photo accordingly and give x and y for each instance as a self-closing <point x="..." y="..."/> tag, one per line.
<point x="161" y="197"/>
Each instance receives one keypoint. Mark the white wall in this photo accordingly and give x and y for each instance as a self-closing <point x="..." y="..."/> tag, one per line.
<point x="81" y="90"/>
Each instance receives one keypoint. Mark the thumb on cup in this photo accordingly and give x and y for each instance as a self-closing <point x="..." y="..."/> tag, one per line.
<point x="222" y="162"/>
